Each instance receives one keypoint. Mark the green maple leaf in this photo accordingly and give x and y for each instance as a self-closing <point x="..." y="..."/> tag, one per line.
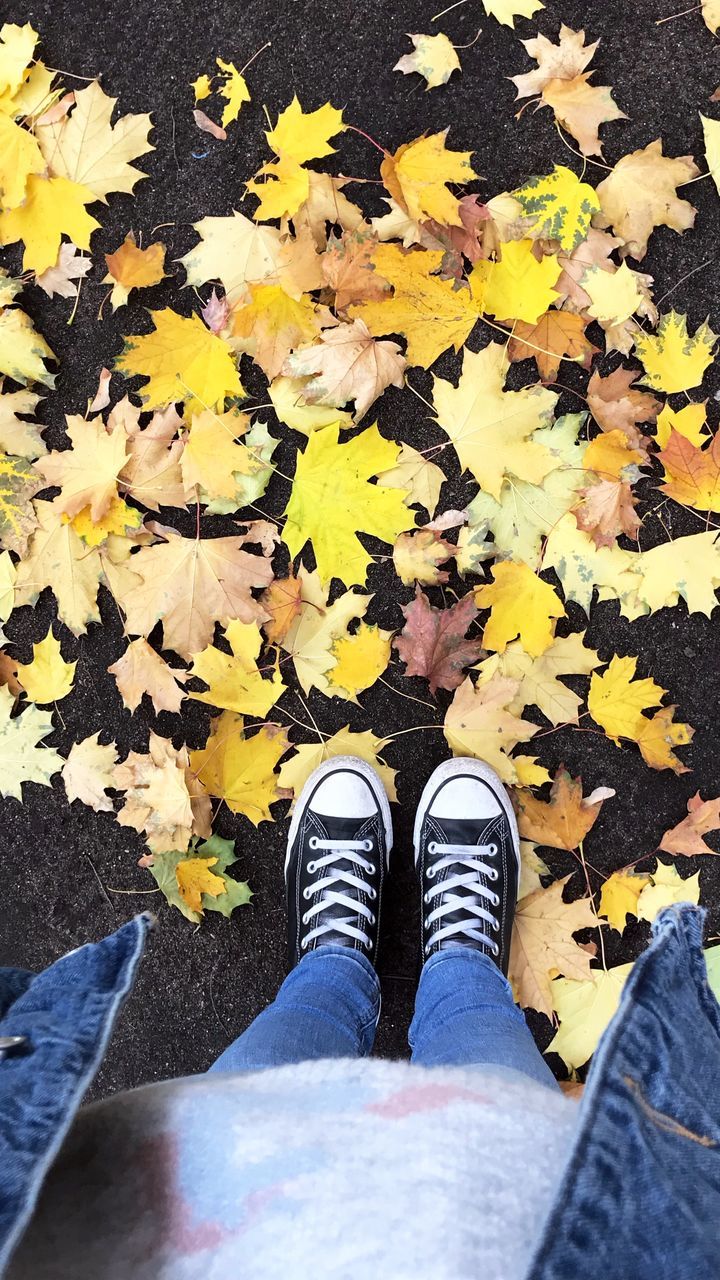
<point x="164" y="871"/>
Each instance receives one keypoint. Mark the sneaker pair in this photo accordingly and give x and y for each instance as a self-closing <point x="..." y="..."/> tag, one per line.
<point x="467" y="854"/>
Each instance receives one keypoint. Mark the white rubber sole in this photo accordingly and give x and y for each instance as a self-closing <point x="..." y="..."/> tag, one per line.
<point x="374" y="782"/>
<point x="478" y="769"/>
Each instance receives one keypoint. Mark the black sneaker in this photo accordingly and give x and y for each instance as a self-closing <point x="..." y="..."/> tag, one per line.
<point x="467" y="851"/>
<point x="338" y="850"/>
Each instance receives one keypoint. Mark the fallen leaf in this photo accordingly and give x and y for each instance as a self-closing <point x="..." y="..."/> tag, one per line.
<point x="22" y="349"/>
<point x="347" y="364"/>
<point x="295" y="772"/>
<point x="560" y="205"/>
<point x="272" y="323"/>
<point x="689" y="421"/>
<point x="52" y="207"/>
<point x="585" y="1008"/>
<point x="432" y="643"/>
<point x="614" y="297"/>
<point x="692" y="475"/>
<point x="608" y="510"/>
<point x="194" y="878"/>
<point x="491" y="427"/>
<point x="88" y="773"/>
<point x="359" y="660"/>
<point x="672" y="359"/>
<point x="282" y="601"/>
<point x="687" y="836"/>
<point x="417" y="176"/>
<point x="58" y="558"/>
<point x="140" y="670"/>
<point x="616" y="702"/>
<point x="562" y="61"/>
<point x="666" y="888"/>
<point x="23" y="438"/>
<point x="430" y="312"/>
<point x="131" y="268"/>
<point x="332" y="498"/>
<point x="305" y="135"/>
<point x="190" y="584"/>
<point x="416" y="557"/>
<point x="640" y="194"/>
<point x="101" y="399"/>
<point x="291" y="407"/>
<point x="619" y="897"/>
<point x="420" y="479"/>
<point x="521" y="605"/>
<point x="617" y="406"/>
<point x="315" y="626"/>
<point x="85" y="147"/>
<point x="539" y="678"/>
<point x="211" y="458"/>
<point x="233" y="89"/>
<point x="61" y="278"/>
<point x="48" y="678"/>
<point x="152" y="474"/>
<point x="234" y="680"/>
<point x="164" y="867"/>
<point x="518" y="286"/>
<point x="563" y="821"/>
<point x="581" y="107"/>
<point x="506" y="11"/>
<point x="240" y="769"/>
<point x="434" y="57"/>
<point x="543" y="946"/>
<point x="183" y="361"/>
<point x="87" y="473"/>
<point x="478" y="723"/>
<point x="348" y="268"/>
<point x="161" y="797"/>
<point x="22" y="757"/>
<point x="609" y="456"/>
<point x="711" y="14"/>
<point x="554" y="336"/>
<point x="18" y="486"/>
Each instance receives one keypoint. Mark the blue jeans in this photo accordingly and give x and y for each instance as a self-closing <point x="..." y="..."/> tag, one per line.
<point x="328" y="1007"/>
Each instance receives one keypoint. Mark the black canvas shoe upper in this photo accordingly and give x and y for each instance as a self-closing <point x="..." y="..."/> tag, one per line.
<point x="336" y="865"/>
<point x="468" y="864"/>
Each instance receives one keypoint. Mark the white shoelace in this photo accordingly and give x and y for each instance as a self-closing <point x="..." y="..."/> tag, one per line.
<point x="332" y="875"/>
<point x="470" y="857"/>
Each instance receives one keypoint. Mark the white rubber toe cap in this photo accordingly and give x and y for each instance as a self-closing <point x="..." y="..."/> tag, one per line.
<point x="465" y="797"/>
<point x="344" y="795"/>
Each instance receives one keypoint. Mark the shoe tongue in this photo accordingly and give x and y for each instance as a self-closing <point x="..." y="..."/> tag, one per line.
<point x="332" y="828"/>
<point x="338" y="828"/>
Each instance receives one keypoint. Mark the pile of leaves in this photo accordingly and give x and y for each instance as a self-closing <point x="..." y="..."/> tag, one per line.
<point x="331" y="307"/>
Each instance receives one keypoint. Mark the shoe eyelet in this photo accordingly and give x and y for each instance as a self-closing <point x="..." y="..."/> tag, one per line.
<point x="305" y="918"/>
<point x="426" y="923"/>
<point x="313" y="842"/>
<point x="371" y="919"/>
<point x="426" y="897"/>
<point x="432" y="847"/>
<point x="372" y="893"/>
<point x="496" y="900"/>
<point x="370" y="868"/>
<point x="493" y="874"/>
<point x="496" y="950"/>
<point x="307" y="893"/>
<point x="311" y="868"/>
<point x="367" y="845"/>
<point x="431" y="873"/>
<point x="492" y="850"/>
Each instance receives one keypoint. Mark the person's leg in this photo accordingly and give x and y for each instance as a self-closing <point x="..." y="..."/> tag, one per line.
<point x="338" y="850"/>
<point x="327" y="1007"/>
<point x="467" y="852"/>
<point x="465" y="1015"/>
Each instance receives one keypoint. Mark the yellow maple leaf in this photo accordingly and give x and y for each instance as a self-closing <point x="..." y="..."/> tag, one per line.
<point x="59" y="559"/>
<point x="87" y="473"/>
<point x="202" y="87"/>
<point x="295" y="772"/>
<point x="420" y="478"/>
<point x="18" y="485"/>
<point x="585" y="1007"/>
<point x="20" y="156"/>
<point x="640" y="194"/>
<point x="331" y="499"/>
<point x="285" y="188"/>
<point x="543" y="945"/>
<point x="689" y="421"/>
<point x="666" y="888"/>
<point x="23" y="349"/>
<point x="140" y="670"/>
<point x="162" y="796"/>
<point x="506" y="11"/>
<point x="539" y="678"/>
<point x="616" y="702"/>
<point x="432" y="313"/>
<point x="490" y="427"/>
<point x="119" y="518"/>
<point x="292" y="408"/>
<point x="479" y="723"/>
<point x="614" y="295"/>
<point x="517" y="287"/>
<point x="52" y="207"/>
<point x="272" y="324"/>
<point x="315" y="626"/>
<point x="212" y="457"/>
<point x="48" y="678"/>
<point x="417" y="174"/>
<point x="235" y="682"/>
<point x="182" y="360"/>
<point x="359" y="660"/>
<point x="609" y="454"/>
<point x="305" y="135"/>
<point x="87" y="773"/>
<point x="619" y="897"/>
<point x="561" y="207"/>
<point x="240" y="770"/>
<point x="581" y="107"/>
<point x="672" y="359"/>
<point x="194" y="878"/>
<point x="17" y="46"/>
<point x="434" y="57"/>
<point x="87" y="148"/>
<point x="711" y="14"/>
<point x="521" y="604"/>
<point x="417" y="557"/>
<point x="132" y="268"/>
<point x="233" y="89"/>
<point x="237" y="252"/>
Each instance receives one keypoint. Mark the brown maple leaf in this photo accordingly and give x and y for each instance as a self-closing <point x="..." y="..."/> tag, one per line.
<point x="555" y="336"/>
<point x="347" y="267"/>
<point x="562" y="61"/>
<point x="687" y="837"/>
<point x="152" y="472"/>
<point x="692" y="475"/>
<point x="432" y="643"/>
<point x="476" y="238"/>
<point x="607" y="510"/>
<point x="282" y="602"/>
<point x="564" y="820"/>
<point x="617" y="406"/>
<point x="347" y="364"/>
